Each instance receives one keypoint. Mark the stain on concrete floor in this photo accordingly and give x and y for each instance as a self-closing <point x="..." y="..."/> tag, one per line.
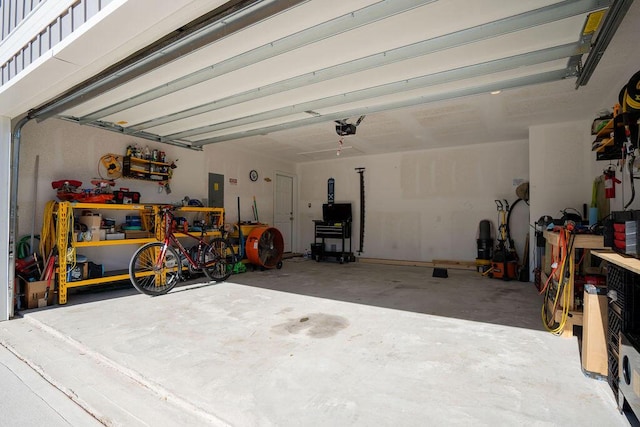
<point x="316" y="325"/>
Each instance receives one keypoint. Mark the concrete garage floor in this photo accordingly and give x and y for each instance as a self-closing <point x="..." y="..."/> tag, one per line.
<point x="313" y="344"/>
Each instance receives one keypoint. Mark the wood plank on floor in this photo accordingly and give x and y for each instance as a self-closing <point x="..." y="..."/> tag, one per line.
<point x="458" y="265"/>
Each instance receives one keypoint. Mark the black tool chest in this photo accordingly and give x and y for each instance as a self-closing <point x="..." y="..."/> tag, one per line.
<point x="334" y="226"/>
<point x="333" y="230"/>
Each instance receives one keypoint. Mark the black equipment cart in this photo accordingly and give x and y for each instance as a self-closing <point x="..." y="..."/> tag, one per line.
<point x="336" y="225"/>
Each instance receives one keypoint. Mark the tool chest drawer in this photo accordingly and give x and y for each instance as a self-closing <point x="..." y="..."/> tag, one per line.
<point x="333" y="230"/>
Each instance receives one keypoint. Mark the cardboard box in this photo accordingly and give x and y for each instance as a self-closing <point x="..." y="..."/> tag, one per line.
<point x="34" y="294"/>
<point x="91" y="221"/>
<point x="115" y="236"/>
<point x="87" y="236"/>
<point x="136" y="234"/>
<point x="93" y="225"/>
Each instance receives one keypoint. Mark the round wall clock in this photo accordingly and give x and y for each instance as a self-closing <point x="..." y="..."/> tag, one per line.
<point x="253" y="175"/>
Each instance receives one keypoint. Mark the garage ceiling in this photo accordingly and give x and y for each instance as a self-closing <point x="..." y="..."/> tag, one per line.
<point x="274" y="76"/>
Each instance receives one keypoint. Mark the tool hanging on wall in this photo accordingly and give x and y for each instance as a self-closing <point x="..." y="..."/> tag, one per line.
<point x="331" y="198"/>
<point x="109" y="167"/>
<point x="255" y="210"/>
<point x="361" y="172"/>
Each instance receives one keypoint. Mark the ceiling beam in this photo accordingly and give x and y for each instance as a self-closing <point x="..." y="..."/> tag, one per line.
<point x="227" y="19"/>
<point x="541" y="16"/>
<point x="145" y="135"/>
<point x="612" y="21"/>
<point x="545" y="77"/>
<point x="461" y="73"/>
<point x="344" y="23"/>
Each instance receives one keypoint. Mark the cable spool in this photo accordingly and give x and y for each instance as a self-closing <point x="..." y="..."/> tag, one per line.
<point x="622" y="95"/>
<point x="632" y="95"/>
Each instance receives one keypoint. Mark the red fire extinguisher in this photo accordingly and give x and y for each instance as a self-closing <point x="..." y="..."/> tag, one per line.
<point x="610" y="182"/>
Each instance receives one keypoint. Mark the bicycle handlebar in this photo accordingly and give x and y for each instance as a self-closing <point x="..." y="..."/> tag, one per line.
<point x="169" y="208"/>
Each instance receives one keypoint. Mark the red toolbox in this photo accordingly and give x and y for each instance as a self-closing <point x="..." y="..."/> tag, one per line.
<point x="123" y="197"/>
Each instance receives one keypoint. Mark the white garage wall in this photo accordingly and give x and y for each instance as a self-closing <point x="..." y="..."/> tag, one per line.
<point x="561" y="166"/>
<point x="235" y="165"/>
<point x="421" y="205"/>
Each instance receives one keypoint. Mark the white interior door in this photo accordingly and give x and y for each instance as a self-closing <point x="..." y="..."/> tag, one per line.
<point x="284" y="209"/>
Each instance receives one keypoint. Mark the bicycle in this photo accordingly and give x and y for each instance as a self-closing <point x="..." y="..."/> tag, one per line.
<point x="223" y="248"/>
<point x="156" y="267"/>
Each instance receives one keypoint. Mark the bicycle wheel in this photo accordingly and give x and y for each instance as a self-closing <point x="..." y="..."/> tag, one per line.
<point x="219" y="260"/>
<point x="148" y="275"/>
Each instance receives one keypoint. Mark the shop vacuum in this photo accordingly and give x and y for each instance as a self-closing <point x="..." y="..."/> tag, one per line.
<point x="485" y="247"/>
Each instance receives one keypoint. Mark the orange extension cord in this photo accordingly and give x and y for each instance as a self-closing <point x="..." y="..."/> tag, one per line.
<point x="562" y="295"/>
